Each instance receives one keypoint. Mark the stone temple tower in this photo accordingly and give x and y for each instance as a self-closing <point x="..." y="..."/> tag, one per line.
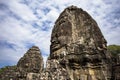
<point x="78" y="48"/>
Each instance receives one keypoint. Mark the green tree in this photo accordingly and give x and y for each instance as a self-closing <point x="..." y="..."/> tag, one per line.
<point x="114" y="49"/>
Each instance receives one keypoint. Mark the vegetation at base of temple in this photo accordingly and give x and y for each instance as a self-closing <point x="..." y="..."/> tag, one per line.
<point x="114" y="49"/>
<point x="7" y="67"/>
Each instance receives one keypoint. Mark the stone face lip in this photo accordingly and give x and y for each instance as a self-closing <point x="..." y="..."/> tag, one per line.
<point x="32" y="61"/>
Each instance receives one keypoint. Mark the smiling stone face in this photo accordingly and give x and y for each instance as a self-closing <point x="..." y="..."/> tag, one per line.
<point x="61" y="35"/>
<point x="76" y="31"/>
<point x="77" y="42"/>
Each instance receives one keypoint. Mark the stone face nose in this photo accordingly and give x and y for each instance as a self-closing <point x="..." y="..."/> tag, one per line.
<point x="32" y="60"/>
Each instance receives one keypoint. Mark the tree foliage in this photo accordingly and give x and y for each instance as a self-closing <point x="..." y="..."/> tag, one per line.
<point x="114" y="49"/>
<point x="6" y="68"/>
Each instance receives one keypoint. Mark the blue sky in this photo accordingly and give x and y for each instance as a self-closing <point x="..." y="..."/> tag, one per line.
<point x="24" y="23"/>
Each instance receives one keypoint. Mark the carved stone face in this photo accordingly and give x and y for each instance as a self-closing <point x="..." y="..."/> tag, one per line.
<point x="62" y="35"/>
<point x="78" y="34"/>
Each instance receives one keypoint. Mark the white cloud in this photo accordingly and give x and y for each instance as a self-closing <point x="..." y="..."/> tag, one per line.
<point x="22" y="10"/>
<point x="52" y="15"/>
<point x="29" y="29"/>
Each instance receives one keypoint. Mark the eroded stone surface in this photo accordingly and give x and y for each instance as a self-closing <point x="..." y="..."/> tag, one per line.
<point x="78" y="46"/>
<point x="32" y="61"/>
